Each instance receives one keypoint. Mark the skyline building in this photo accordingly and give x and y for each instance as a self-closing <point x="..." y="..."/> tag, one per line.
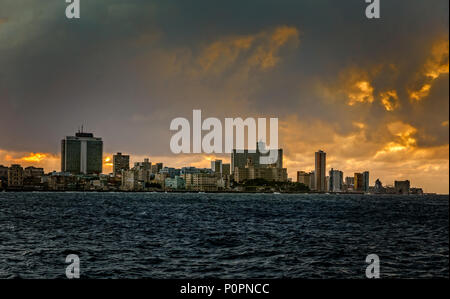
<point x="120" y="162"/>
<point x="82" y="154"/>
<point x="336" y="180"/>
<point x="216" y="166"/>
<point x="15" y="176"/>
<point x="304" y="178"/>
<point x="320" y="171"/>
<point x="365" y="181"/>
<point x="358" y="182"/>
<point x="240" y="157"/>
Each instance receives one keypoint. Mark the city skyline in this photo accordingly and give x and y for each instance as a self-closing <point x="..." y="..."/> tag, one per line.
<point x="373" y="94"/>
<point x="85" y="152"/>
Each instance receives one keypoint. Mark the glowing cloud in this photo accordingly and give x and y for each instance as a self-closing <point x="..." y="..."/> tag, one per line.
<point x="360" y="92"/>
<point x="421" y="93"/>
<point x="34" y="157"/>
<point x="389" y="99"/>
<point x="436" y="65"/>
<point x="258" y="51"/>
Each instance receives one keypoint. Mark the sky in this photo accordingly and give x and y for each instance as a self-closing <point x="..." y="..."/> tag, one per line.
<point x="372" y="93"/>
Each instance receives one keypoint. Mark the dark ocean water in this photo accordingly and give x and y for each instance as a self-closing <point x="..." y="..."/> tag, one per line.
<point x="148" y="235"/>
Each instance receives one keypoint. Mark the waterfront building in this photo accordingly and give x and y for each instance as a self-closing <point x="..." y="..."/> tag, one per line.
<point x="131" y="181"/>
<point x="304" y="178"/>
<point x="82" y="154"/>
<point x="120" y="162"/>
<point x="33" y="172"/>
<point x="239" y="157"/>
<point x="312" y="180"/>
<point x="350" y="181"/>
<point x="216" y="166"/>
<point x="336" y="180"/>
<point x="378" y="188"/>
<point x="358" y="182"/>
<point x="226" y="170"/>
<point x="320" y="168"/>
<point x="201" y="181"/>
<point x="176" y="183"/>
<point x="15" y="177"/>
<point x="365" y="181"/>
<point x="250" y="172"/>
<point x="156" y="167"/>
<point x="171" y="172"/>
<point x="3" y="172"/>
<point x="402" y="187"/>
<point x="146" y="165"/>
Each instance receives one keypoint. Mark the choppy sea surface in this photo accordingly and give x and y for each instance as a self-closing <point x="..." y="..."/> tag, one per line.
<point x="159" y="235"/>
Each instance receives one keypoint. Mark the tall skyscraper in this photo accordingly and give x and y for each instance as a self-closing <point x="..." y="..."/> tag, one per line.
<point x="366" y="181"/>
<point x="120" y="162"/>
<point x="362" y="181"/>
<point x="82" y="154"/>
<point x="359" y="182"/>
<point x="320" y="171"/>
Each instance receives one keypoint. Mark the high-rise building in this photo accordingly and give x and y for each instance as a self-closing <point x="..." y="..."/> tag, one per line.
<point x="358" y="182"/>
<point x="82" y="154"/>
<point x="361" y="182"/>
<point x="336" y="180"/>
<point x="320" y="175"/>
<point x="120" y="162"/>
<point x="365" y="181"/>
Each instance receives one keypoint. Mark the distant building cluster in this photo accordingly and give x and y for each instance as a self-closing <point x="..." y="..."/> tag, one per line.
<point x="82" y="161"/>
<point x="318" y="180"/>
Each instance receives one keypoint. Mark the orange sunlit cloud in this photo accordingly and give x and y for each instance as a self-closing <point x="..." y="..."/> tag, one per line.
<point x="436" y="65"/>
<point x="259" y="51"/>
<point x="34" y="157"/>
<point x="360" y="92"/>
<point x="389" y="99"/>
<point x="48" y="161"/>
